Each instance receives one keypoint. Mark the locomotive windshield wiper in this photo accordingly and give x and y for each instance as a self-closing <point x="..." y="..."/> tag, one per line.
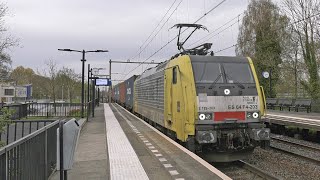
<point x="235" y="82"/>
<point x="215" y="81"/>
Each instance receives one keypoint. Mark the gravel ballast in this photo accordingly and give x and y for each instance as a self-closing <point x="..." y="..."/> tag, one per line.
<point x="283" y="165"/>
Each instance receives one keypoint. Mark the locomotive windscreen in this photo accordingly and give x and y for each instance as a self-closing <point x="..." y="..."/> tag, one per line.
<point x="221" y="70"/>
<point x="207" y="72"/>
<point x="238" y="72"/>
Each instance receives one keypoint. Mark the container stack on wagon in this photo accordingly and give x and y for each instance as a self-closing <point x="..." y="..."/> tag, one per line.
<point x="129" y="84"/>
<point x="115" y="93"/>
<point x="122" y="95"/>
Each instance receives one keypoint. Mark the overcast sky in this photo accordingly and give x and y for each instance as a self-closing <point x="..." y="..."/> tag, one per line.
<point x="121" y="27"/>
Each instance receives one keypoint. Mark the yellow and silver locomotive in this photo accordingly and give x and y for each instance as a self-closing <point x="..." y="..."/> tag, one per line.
<point x="211" y="104"/>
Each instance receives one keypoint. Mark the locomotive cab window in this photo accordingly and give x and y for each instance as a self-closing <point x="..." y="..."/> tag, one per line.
<point x="207" y="72"/>
<point x="174" y="75"/>
<point x="238" y="72"/>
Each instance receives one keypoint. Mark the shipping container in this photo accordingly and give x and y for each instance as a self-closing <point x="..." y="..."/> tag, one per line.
<point x="122" y="89"/>
<point x="129" y="91"/>
<point x="116" y="93"/>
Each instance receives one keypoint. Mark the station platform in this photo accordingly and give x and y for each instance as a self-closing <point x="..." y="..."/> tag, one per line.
<point x="117" y="145"/>
<point x="310" y="115"/>
<point x="290" y="118"/>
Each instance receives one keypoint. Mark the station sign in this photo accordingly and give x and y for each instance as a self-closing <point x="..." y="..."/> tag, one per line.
<point x="103" y="82"/>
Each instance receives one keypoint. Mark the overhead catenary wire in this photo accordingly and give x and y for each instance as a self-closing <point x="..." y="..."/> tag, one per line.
<point x="205" y="14"/>
<point x="205" y="38"/>
<point x="290" y="24"/>
<point x="144" y="47"/>
<point x="163" y="26"/>
<point x="156" y="34"/>
<point x="140" y="51"/>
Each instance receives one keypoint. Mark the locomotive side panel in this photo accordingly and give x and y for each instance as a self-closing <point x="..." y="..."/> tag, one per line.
<point x="149" y="95"/>
<point x="180" y="97"/>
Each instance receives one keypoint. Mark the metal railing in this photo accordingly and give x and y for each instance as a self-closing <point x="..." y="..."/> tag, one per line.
<point x="54" y="110"/>
<point x="31" y="157"/>
<point x="19" y="110"/>
<point x="35" y="109"/>
<point x="17" y="129"/>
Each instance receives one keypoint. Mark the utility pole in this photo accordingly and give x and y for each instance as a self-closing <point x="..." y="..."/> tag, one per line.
<point x="270" y="95"/>
<point x="110" y="87"/>
<point x="88" y="88"/>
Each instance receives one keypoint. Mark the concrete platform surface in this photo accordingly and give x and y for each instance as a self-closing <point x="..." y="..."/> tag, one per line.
<point x="117" y="145"/>
<point x="91" y="154"/>
<point x="160" y="156"/>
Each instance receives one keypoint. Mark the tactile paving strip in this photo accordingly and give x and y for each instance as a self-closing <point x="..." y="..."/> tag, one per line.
<point x="124" y="162"/>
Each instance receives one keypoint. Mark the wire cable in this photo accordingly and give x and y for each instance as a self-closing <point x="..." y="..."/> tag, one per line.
<point x="205" y="14"/>
<point x="202" y="39"/>
<point x="140" y="51"/>
<point x="295" y="22"/>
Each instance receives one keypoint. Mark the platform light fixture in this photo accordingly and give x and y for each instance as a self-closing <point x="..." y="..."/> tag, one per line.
<point x="83" y="63"/>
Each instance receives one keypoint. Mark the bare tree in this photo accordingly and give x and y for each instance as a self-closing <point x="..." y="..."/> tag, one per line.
<point x="68" y="80"/>
<point x="52" y="74"/>
<point x="6" y="42"/>
<point x="305" y="14"/>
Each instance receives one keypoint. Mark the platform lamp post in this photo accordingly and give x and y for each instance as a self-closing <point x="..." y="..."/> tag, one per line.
<point x="83" y="60"/>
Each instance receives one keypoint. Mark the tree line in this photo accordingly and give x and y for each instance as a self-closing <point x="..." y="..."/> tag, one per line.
<point x="52" y="83"/>
<point x="283" y="39"/>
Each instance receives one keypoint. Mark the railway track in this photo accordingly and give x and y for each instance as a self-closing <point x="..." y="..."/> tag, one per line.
<point x="243" y="170"/>
<point x="300" y="150"/>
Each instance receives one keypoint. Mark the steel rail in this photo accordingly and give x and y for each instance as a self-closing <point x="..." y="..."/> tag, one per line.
<point x="256" y="170"/>
<point x="295" y="154"/>
<point x="295" y="143"/>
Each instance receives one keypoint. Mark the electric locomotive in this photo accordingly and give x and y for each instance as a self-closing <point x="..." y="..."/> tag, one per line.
<point x="211" y="104"/>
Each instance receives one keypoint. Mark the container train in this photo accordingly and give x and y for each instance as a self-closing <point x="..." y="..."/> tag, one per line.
<point x="211" y="104"/>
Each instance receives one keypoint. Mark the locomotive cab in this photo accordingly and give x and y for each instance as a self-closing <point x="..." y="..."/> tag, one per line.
<point x="230" y="104"/>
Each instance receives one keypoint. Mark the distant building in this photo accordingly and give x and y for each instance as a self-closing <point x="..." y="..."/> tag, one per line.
<point x="7" y="92"/>
<point x="10" y="93"/>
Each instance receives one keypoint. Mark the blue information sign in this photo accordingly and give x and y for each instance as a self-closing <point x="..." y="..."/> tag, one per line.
<point x="103" y="82"/>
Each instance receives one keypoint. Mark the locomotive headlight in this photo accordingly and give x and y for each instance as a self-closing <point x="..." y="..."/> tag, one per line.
<point x="226" y="91"/>
<point x="205" y="116"/>
<point x="255" y="115"/>
<point x="202" y="116"/>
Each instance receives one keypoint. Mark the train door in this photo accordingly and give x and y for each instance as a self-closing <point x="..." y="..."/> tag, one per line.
<point x="177" y="103"/>
<point x="168" y="99"/>
<point x="174" y="103"/>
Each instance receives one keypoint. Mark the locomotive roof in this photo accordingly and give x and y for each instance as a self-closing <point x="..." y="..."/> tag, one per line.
<point x="196" y="58"/>
<point x="220" y="59"/>
<point x="153" y="70"/>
